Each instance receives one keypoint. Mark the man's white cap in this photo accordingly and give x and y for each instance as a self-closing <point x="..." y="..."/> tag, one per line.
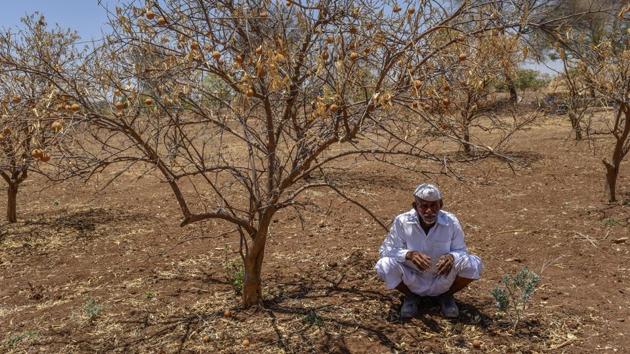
<point x="427" y="192"/>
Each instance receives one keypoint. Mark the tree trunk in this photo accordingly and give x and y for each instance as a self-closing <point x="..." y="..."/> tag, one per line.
<point x="12" y="202"/>
<point x="466" y="119"/>
<point x="612" y="171"/>
<point x="252" y="284"/>
<point x="467" y="147"/>
<point x="619" y="152"/>
<point x="575" y="124"/>
<point x="465" y="123"/>
<point x="512" y="88"/>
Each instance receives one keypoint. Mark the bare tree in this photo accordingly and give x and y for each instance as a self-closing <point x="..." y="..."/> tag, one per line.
<point x="576" y="98"/>
<point x="34" y="114"/>
<point x="590" y="21"/>
<point x="464" y="91"/>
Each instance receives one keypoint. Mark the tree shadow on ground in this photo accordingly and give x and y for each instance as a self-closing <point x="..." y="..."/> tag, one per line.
<point x="83" y="222"/>
<point x="429" y="312"/>
<point x="348" y="290"/>
<point x="358" y="180"/>
<point x="337" y="303"/>
<point x="524" y="158"/>
<point x="515" y="157"/>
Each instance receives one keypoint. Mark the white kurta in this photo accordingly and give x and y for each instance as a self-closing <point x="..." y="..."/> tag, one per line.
<point x="406" y="235"/>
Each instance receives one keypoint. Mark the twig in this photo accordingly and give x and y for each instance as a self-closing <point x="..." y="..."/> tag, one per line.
<point x="550" y="262"/>
<point x="587" y="238"/>
<point x="563" y="344"/>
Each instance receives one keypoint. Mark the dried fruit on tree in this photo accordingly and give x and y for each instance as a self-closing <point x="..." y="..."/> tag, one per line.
<point x="120" y="105"/>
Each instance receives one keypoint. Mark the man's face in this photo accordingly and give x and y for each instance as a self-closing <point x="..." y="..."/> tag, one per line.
<point x="427" y="210"/>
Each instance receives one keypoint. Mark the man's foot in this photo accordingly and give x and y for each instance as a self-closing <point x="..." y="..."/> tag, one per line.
<point x="409" y="308"/>
<point x="448" y="305"/>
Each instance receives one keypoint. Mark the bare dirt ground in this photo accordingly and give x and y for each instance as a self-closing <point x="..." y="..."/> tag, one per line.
<point x="111" y="271"/>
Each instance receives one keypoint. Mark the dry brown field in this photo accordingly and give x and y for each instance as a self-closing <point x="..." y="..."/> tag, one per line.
<point x="90" y="270"/>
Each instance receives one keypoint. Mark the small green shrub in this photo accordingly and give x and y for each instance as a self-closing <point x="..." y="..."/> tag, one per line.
<point x="235" y="273"/>
<point x="514" y="294"/>
<point x="237" y="276"/>
<point x="92" y="309"/>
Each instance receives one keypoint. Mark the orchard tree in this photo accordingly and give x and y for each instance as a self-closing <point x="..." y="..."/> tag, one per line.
<point x="235" y="104"/>
<point x="461" y="96"/>
<point x="33" y="113"/>
<point x="607" y="70"/>
<point x="587" y="22"/>
<point x="576" y="95"/>
<point x="456" y="98"/>
<point x="604" y="68"/>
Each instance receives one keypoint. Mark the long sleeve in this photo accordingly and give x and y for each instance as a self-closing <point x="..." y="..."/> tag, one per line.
<point x="458" y="246"/>
<point x="394" y="245"/>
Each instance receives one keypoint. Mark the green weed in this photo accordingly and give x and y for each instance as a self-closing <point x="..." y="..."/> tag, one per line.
<point x="18" y="338"/>
<point x="610" y="222"/>
<point x="234" y="271"/>
<point x="92" y="309"/>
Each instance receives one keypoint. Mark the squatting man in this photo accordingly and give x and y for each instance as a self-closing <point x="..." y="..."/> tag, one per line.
<point x="424" y="254"/>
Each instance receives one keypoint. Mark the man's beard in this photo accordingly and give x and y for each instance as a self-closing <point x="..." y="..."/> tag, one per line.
<point x="430" y="221"/>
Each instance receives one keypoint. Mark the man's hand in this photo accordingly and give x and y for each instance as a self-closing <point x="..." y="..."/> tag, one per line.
<point x="445" y="264"/>
<point x="421" y="260"/>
